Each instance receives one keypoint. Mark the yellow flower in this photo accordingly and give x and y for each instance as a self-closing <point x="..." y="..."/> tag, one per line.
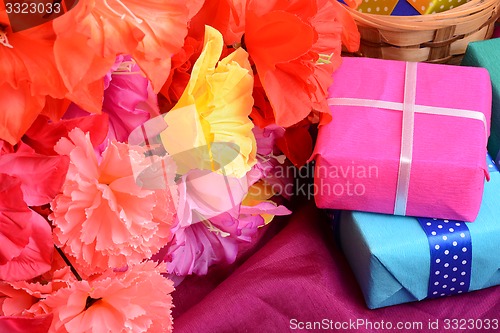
<point x="210" y="128"/>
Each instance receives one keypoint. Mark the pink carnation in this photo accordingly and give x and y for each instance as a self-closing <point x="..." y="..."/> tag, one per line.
<point x="14" y="301"/>
<point x="103" y="218"/>
<point x="137" y="300"/>
<point x="14" y="315"/>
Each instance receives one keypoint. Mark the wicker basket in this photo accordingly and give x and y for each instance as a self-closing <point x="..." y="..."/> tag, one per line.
<point x="437" y="38"/>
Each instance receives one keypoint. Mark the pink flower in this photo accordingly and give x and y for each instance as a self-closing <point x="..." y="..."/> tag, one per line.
<point x="272" y="166"/>
<point x="212" y="220"/>
<point x="137" y="300"/>
<point x="243" y="221"/>
<point x="216" y="213"/>
<point x="19" y="302"/>
<point x="200" y="245"/>
<point x="14" y="315"/>
<point x="41" y="177"/>
<point x="129" y="100"/>
<point x="14" y="301"/>
<point x="196" y="248"/>
<point x="43" y="134"/>
<point x="102" y="218"/>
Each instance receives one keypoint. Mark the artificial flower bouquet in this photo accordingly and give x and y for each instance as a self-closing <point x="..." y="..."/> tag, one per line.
<point x="142" y="141"/>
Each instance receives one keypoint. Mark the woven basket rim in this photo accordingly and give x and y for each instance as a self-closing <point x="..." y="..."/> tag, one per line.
<point x="465" y="12"/>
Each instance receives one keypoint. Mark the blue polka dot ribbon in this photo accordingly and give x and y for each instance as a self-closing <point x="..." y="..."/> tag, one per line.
<point x="492" y="167"/>
<point x="451" y="256"/>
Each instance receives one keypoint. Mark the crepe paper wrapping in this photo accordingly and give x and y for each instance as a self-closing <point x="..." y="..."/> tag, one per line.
<point x="357" y="154"/>
<point x="485" y="54"/>
<point x="407" y="7"/>
<point x="391" y="259"/>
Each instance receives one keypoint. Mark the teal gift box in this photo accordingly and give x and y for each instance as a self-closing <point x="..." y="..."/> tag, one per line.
<point x="392" y="256"/>
<point x="487" y="54"/>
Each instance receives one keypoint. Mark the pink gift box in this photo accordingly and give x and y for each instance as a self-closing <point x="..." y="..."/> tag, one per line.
<point x="359" y="164"/>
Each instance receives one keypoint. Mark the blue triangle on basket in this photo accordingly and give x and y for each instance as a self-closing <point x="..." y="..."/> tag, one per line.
<point x="403" y="8"/>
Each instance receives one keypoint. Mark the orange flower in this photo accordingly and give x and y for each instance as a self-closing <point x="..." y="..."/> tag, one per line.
<point x="27" y="57"/>
<point x="69" y="57"/>
<point x="18" y="110"/>
<point x="28" y="73"/>
<point x="296" y="46"/>
<point x="151" y="31"/>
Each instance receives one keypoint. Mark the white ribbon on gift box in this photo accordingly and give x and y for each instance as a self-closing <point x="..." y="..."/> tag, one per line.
<point x="409" y="108"/>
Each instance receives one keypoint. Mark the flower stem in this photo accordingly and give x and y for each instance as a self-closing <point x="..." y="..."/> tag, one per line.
<point x="40" y="210"/>
<point x="66" y="260"/>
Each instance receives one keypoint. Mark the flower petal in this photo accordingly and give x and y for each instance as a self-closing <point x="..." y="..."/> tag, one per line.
<point x="43" y="135"/>
<point x="39" y="324"/>
<point x="41" y="176"/>
<point x="151" y="31"/>
<point x="36" y="257"/>
<point x="195" y="248"/>
<point x="277" y="37"/>
<point x="18" y="110"/>
<point x="15" y="227"/>
<point x="218" y="98"/>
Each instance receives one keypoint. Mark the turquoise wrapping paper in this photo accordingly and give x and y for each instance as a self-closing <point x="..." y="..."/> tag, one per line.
<point x="486" y="54"/>
<point x="390" y="254"/>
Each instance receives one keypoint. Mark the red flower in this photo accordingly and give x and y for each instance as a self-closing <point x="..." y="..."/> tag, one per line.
<point x="182" y="62"/>
<point x="26" y="238"/>
<point x="68" y="57"/>
<point x="43" y="135"/>
<point x="296" y="46"/>
<point x="28" y="73"/>
<point x="40" y="324"/>
<point x="151" y="31"/>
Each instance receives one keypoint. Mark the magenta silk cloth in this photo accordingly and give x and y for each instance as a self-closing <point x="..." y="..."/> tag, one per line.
<point x="358" y="153"/>
<point x="301" y="274"/>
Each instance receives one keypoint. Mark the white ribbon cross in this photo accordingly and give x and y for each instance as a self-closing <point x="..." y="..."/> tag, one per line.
<point x="409" y="109"/>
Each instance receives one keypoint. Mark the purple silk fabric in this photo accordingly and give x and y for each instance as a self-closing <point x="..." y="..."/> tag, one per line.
<point x="295" y="271"/>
